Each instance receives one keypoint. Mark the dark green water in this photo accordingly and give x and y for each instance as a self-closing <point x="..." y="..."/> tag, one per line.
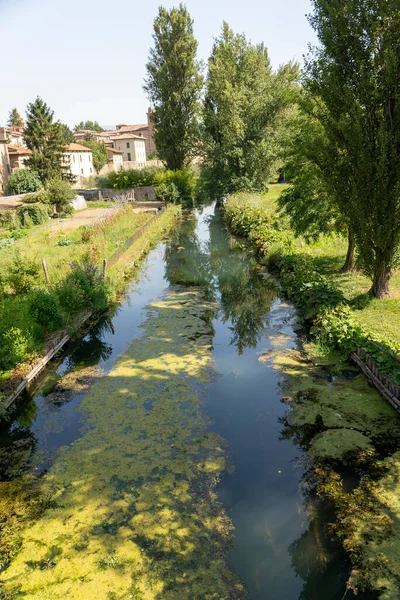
<point x="281" y="549"/>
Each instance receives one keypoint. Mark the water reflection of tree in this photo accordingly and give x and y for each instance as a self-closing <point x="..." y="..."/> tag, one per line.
<point x="223" y="272"/>
<point x="245" y="298"/>
<point x="17" y="443"/>
<point x="90" y="350"/>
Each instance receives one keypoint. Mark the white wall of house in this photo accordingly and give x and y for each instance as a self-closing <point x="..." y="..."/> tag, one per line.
<point x="80" y="163"/>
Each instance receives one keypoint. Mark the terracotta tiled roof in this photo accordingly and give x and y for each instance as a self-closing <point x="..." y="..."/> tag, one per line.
<point x="12" y="149"/>
<point x="114" y="150"/>
<point x="77" y="148"/>
<point x="126" y="136"/>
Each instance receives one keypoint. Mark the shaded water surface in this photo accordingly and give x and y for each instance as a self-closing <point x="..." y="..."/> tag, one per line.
<point x="281" y="550"/>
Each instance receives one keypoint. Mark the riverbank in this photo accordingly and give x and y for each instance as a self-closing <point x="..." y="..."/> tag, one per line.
<point x="113" y="237"/>
<point x="355" y="430"/>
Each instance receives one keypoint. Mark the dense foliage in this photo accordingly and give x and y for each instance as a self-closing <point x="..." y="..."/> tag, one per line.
<point x="173" y="86"/>
<point x="244" y="112"/>
<point x="46" y="140"/>
<point x="99" y="152"/>
<point x="184" y="179"/>
<point x="90" y="125"/>
<point x="23" y="181"/>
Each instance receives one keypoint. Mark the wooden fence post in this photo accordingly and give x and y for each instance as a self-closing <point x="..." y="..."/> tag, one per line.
<point x="46" y="273"/>
<point x="104" y="268"/>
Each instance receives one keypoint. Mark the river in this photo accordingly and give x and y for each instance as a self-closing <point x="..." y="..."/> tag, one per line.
<point x="281" y="549"/>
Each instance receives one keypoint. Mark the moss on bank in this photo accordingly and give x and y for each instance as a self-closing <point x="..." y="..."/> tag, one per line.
<point x="135" y="514"/>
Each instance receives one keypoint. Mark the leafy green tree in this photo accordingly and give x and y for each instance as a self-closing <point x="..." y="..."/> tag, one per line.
<point x="23" y="181"/>
<point x="99" y="152"/>
<point x="15" y="119"/>
<point x="90" y="125"/>
<point x="174" y="86"/>
<point x="67" y="134"/>
<point x="353" y="76"/>
<point x="315" y="201"/>
<point x="45" y="138"/>
<point x="244" y="112"/>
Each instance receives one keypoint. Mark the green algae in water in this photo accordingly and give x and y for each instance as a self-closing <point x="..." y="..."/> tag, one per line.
<point x="336" y="443"/>
<point x="135" y="507"/>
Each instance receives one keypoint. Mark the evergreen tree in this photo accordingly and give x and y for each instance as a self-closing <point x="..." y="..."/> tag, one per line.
<point x="174" y="86"/>
<point x="243" y="112"/>
<point x="354" y="76"/>
<point x="45" y="139"/>
<point x="15" y="119"/>
<point x="90" y="125"/>
<point x="67" y="134"/>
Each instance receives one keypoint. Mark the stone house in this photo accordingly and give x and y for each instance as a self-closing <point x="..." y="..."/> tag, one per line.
<point x="17" y="156"/>
<point x="145" y="130"/>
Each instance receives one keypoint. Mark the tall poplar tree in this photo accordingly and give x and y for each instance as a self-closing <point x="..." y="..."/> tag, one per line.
<point x="46" y="140"/>
<point x="174" y="86"/>
<point x="354" y="76"/>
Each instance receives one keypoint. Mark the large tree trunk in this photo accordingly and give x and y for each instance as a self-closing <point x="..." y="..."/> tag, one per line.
<point x="349" y="264"/>
<point x="380" y="283"/>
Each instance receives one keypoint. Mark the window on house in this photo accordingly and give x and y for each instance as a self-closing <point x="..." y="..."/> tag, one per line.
<point x="74" y="157"/>
<point x="82" y="171"/>
<point x="128" y="145"/>
<point x="90" y="169"/>
<point x="129" y="156"/>
<point x="81" y="157"/>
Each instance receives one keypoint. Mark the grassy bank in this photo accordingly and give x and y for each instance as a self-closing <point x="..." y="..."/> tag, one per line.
<point x="32" y="312"/>
<point x="337" y="424"/>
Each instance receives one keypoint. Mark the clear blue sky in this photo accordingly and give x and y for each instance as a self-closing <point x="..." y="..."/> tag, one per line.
<point x="86" y="58"/>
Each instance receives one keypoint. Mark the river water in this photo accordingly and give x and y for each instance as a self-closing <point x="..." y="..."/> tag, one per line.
<point x="281" y="549"/>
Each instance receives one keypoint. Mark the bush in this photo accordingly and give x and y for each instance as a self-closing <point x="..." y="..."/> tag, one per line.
<point x="23" y="181"/>
<point x="35" y="214"/>
<point x="22" y="274"/>
<point x="184" y="180"/>
<point x="41" y="197"/>
<point x="125" y="179"/>
<point x="9" y="220"/>
<point x="168" y="192"/>
<point x="83" y="287"/>
<point x="13" y="348"/>
<point x="60" y="194"/>
<point x="45" y="308"/>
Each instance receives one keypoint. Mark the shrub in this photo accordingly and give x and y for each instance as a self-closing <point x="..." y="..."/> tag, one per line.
<point x="83" y="287"/>
<point x="168" y="192"/>
<point x="9" y="220"/>
<point x="60" y="194"/>
<point x="45" y="308"/>
<point x="184" y="180"/>
<point x="22" y="274"/>
<point x="124" y="179"/>
<point x="13" y="347"/>
<point x="23" y="181"/>
<point x="42" y="197"/>
<point x="35" y="214"/>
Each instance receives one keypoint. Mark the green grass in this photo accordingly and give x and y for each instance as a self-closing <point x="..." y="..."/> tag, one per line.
<point x="41" y="242"/>
<point x="329" y="253"/>
<point x="100" y="204"/>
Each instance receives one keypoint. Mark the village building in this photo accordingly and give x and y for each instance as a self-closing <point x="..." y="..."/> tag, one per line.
<point x="5" y="167"/>
<point x="80" y="161"/>
<point x="115" y="159"/>
<point x="133" y="148"/>
<point x="17" y="156"/>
